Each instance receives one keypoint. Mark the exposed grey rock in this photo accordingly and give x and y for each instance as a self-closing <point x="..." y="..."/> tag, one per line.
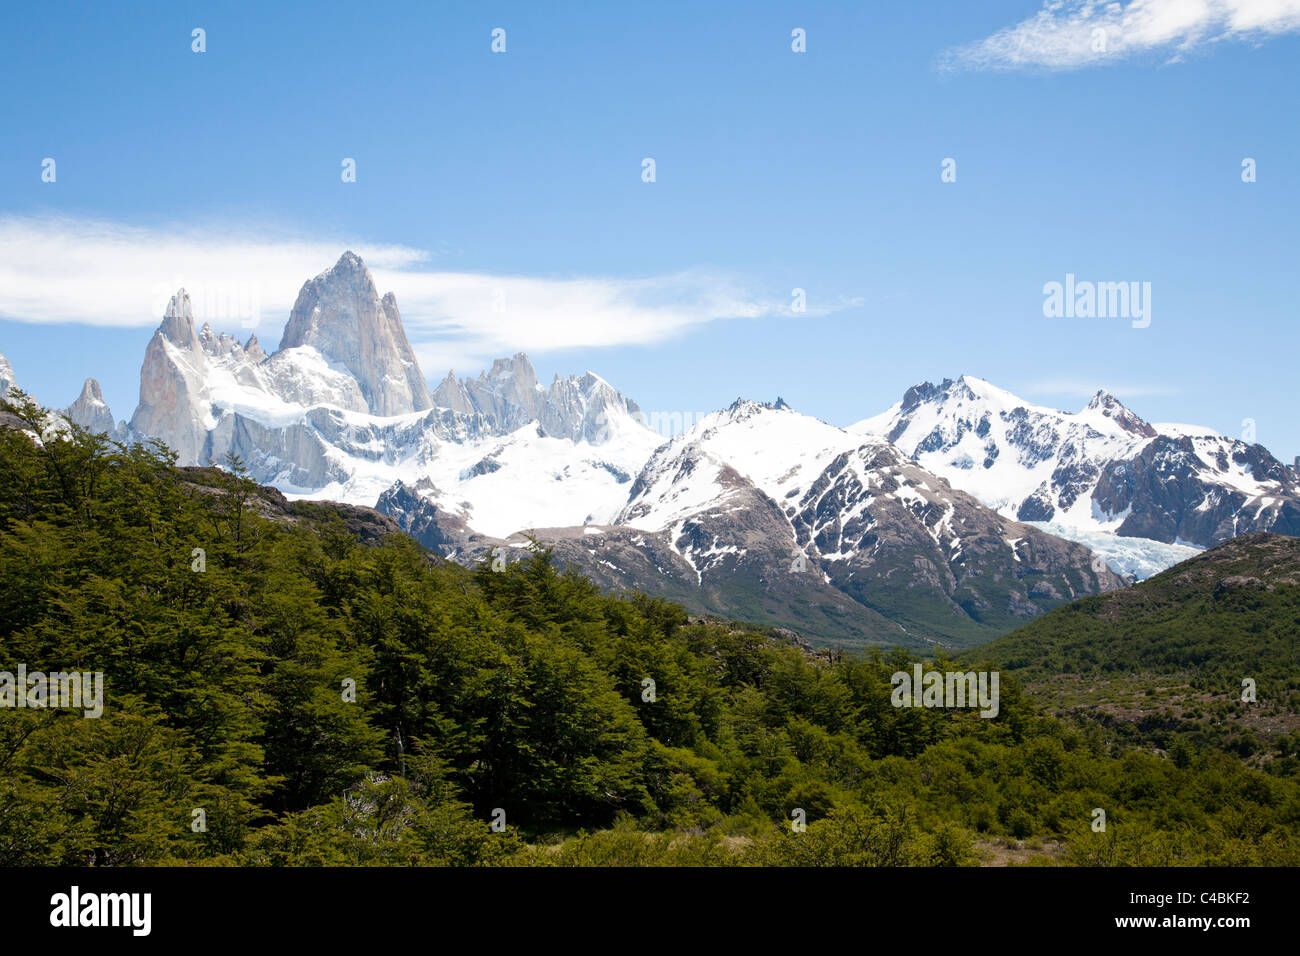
<point x="452" y="394"/>
<point x="178" y="323"/>
<point x="871" y="549"/>
<point x="1173" y="496"/>
<point x="1112" y="408"/>
<point x="173" y="387"/>
<point x="507" y="393"/>
<point x="341" y="315"/>
<point x="441" y="533"/>
<point x="1107" y="462"/>
<point x="7" y="379"/>
<point x="91" y="411"/>
<point x="581" y="408"/>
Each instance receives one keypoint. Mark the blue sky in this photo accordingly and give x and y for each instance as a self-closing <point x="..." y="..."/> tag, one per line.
<point x="774" y="170"/>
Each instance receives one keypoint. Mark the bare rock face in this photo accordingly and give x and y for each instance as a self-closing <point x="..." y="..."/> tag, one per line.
<point x="91" y="411"/>
<point x="1112" y="408"/>
<point x="253" y="349"/>
<point x="340" y="314"/>
<point x="441" y="533"/>
<point x="764" y="515"/>
<point x="452" y="394"/>
<point x="585" y="408"/>
<point x="1167" y="483"/>
<point x="6" y="377"/>
<point x="1171" y="493"/>
<point x="507" y="393"/>
<point x="577" y="407"/>
<point x="178" y="323"/>
<point x="173" y="390"/>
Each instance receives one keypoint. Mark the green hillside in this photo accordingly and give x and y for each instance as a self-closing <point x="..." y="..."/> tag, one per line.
<point x="1170" y="658"/>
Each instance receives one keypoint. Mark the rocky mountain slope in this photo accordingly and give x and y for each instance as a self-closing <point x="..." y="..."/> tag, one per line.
<point x="89" y="410"/>
<point x="774" y="517"/>
<point x="1100" y="476"/>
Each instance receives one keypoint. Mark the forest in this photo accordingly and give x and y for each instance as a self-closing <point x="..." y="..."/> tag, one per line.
<point x="283" y="690"/>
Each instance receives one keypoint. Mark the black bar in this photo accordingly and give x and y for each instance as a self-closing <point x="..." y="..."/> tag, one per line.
<point x="658" y="907"/>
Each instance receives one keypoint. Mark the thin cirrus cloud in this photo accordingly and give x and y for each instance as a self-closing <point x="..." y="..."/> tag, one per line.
<point x="1087" y="388"/>
<point x="1072" y="34"/>
<point x="64" y="270"/>
<point x="460" y="320"/>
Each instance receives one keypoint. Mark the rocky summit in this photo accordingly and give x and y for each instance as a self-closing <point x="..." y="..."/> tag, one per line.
<point x="90" y="411"/>
<point x="341" y="315"/>
<point x="1144" y="494"/>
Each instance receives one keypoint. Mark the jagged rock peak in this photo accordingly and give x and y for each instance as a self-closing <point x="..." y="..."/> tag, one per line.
<point x="90" y="410"/>
<point x="341" y="315"/>
<point x="177" y="325"/>
<point x="451" y="393"/>
<point x="1111" y="407"/>
<point x="924" y="392"/>
<point x="351" y="263"/>
<point x="748" y="405"/>
<point x="173" y="391"/>
<point x="1104" y="402"/>
<point x="517" y="368"/>
<point x="91" y="391"/>
<point x="740" y="410"/>
<point x="508" y="396"/>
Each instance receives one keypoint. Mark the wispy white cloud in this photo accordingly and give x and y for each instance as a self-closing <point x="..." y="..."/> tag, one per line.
<point x="99" y="273"/>
<point x="1087" y="388"/>
<point x="1070" y="34"/>
<point x="63" y="270"/>
<point x="455" y="320"/>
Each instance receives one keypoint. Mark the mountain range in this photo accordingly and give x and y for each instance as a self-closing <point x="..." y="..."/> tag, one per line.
<point x="1144" y="495"/>
<point x="950" y="518"/>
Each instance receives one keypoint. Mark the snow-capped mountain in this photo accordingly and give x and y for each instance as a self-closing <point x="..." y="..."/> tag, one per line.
<point x="1145" y="495"/>
<point x="858" y="515"/>
<point x="765" y="514"/>
<point x="341" y="411"/>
